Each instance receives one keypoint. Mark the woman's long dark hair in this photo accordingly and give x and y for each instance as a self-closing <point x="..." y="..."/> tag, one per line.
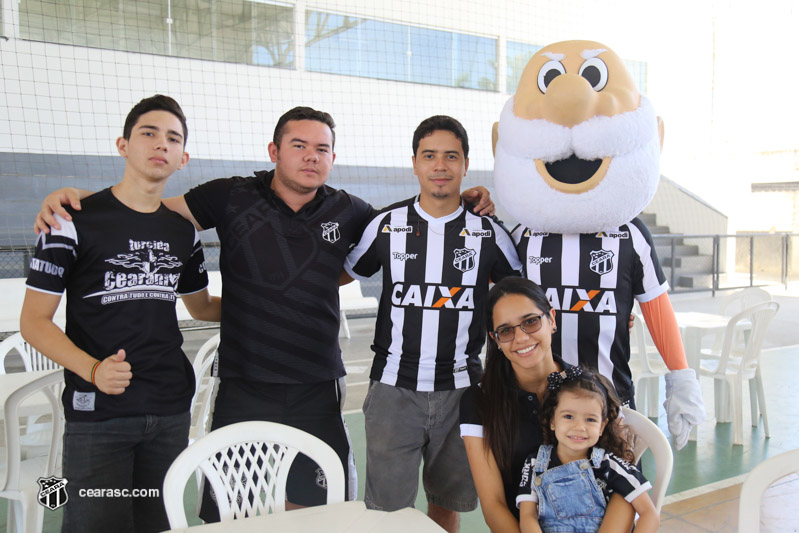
<point x="614" y="438"/>
<point x="496" y="397"/>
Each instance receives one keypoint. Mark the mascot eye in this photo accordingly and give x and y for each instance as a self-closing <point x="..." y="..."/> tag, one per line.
<point x="596" y="72"/>
<point x="550" y="71"/>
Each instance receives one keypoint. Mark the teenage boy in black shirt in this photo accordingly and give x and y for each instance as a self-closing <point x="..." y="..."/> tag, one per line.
<point x="122" y="261"/>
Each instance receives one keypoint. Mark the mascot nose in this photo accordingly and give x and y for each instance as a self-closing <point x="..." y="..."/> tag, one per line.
<point x="570" y="100"/>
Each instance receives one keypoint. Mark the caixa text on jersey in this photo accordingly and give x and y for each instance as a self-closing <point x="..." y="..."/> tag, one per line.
<point x="432" y="296"/>
<point x="587" y="301"/>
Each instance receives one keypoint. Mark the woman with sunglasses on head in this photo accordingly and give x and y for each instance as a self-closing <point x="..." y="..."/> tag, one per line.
<point x="500" y="416"/>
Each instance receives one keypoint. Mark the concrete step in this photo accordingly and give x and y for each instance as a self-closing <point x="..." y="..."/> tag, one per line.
<point x="650" y="219"/>
<point x="696" y="281"/>
<point x="657" y="230"/>
<point x="690" y="263"/>
<point x="664" y="249"/>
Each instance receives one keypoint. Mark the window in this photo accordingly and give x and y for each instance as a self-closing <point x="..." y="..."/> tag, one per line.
<point x="131" y="26"/>
<point x="518" y="55"/>
<point x="240" y="31"/>
<point x="638" y="71"/>
<point x="355" y="46"/>
<point x="235" y="31"/>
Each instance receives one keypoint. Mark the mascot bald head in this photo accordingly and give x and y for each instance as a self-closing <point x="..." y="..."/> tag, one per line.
<point x="577" y="147"/>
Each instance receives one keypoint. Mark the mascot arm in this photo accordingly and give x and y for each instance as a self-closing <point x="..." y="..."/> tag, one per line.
<point x="684" y="405"/>
<point x="659" y="318"/>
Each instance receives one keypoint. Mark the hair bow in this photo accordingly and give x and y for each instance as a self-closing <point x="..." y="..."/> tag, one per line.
<point x="556" y="379"/>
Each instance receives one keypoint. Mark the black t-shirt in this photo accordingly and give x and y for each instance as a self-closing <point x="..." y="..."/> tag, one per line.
<point x="280" y="276"/>
<point x="529" y="435"/>
<point x="436" y="274"/>
<point x="121" y="270"/>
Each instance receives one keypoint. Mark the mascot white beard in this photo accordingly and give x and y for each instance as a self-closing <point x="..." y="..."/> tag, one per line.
<point x="632" y="141"/>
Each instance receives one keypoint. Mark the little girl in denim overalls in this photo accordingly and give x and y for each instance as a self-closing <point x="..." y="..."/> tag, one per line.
<point x="565" y="487"/>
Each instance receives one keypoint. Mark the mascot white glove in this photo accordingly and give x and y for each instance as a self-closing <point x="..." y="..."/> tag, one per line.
<point x="684" y="405"/>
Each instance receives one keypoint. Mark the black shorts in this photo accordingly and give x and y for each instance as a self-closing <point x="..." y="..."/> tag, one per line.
<point x="311" y="407"/>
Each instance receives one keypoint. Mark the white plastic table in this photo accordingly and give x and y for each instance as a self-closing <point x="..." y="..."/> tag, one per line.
<point x="346" y="517"/>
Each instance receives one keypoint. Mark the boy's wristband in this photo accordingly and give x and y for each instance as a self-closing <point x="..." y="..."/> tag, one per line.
<point x="94" y="370"/>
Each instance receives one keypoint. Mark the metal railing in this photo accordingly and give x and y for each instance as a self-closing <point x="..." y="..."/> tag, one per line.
<point x="696" y="262"/>
<point x="691" y="262"/>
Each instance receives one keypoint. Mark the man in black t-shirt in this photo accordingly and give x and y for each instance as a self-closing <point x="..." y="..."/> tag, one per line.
<point x="122" y="261"/>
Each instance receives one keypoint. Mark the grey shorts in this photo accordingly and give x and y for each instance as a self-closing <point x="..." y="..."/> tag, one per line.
<point x="404" y="428"/>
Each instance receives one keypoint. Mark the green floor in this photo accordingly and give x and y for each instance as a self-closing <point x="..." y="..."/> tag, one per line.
<point x="710" y="459"/>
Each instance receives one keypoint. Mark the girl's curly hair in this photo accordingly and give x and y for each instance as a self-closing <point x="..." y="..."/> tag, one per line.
<point x="615" y="438"/>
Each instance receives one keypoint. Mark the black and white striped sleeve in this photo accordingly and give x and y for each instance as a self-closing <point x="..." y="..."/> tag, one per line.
<point x="363" y="260"/>
<point x="508" y="263"/>
<point x="526" y="488"/>
<point x="53" y="259"/>
<point x="623" y="477"/>
<point x="649" y="280"/>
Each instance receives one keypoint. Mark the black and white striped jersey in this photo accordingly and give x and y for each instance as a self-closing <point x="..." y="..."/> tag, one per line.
<point x="592" y="280"/>
<point x="436" y="274"/>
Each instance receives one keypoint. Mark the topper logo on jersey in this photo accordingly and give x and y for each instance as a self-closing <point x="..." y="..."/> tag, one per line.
<point x="480" y="233"/>
<point x="432" y="296"/>
<point x="572" y="299"/>
<point x="529" y="233"/>
<point x="330" y="231"/>
<point x="464" y="259"/>
<point x="403" y="256"/>
<point x="397" y="229"/>
<point x="534" y="260"/>
<point x="601" y="261"/>
<point x="614" y="234"/>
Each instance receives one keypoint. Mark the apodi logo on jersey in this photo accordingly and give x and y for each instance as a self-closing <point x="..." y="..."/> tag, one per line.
<point x="480" y="233"/>
<point x="396" y="229"/>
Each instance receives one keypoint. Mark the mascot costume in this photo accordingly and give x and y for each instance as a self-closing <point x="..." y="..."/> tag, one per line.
<point x="577" y="153"/>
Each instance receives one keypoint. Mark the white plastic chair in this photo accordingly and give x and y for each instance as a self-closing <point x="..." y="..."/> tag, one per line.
<point x="37" y="435"/>
<point x="21" y="488"/>
<point x="647" y="367"/>
<point x="31" y="359"/>
<point x="756" y="484"/>
<point x="649" y="436"/>
<point x="737" y="301"/>
<point x="730" y="306"/>
<point x="732" y="367"/>
<point x="352" y="299"/>
<point x="205" y="364"/>
<point x="247" y="465"/>
<point x="206" y="384"/>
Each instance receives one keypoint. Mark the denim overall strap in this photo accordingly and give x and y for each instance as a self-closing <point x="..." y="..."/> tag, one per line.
<point x="542" y="459"/>
<point x="569" y="498"/>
